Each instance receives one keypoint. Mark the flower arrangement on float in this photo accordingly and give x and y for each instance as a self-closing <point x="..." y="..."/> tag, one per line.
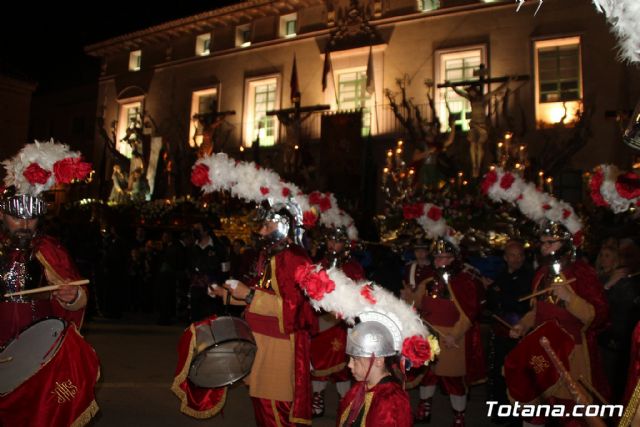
<point x="611" y="188"/>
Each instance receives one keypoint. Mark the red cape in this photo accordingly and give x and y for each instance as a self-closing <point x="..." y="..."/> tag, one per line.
<point x="388" y="406"/>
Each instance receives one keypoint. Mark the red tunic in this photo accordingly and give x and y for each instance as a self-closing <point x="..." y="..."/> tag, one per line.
<point x="634" y="365"/>
<point x="385" y="405"/>
<point x="588" y="287"/>
<point x="296" y="317"/>
<point x="466" y="299"/>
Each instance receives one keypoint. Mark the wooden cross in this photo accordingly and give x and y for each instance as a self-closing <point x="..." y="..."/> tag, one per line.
<point x="292" y="119"/>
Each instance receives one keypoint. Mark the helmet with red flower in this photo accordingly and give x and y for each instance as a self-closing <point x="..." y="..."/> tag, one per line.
<point x="34" y="170"/>
<point x="375" y="335"/>
<point x="386" y="326"/>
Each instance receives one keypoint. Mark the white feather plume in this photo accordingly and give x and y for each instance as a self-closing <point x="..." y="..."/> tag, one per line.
<point x="348" y="302"/>
<point x="533" y="203"/>
<point x="43" y="153"/>
<point x="250" y="182"/>
<point x="624" y="18"/>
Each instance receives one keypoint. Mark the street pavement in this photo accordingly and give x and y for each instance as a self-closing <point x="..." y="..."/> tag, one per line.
<point x="138" y="360"/>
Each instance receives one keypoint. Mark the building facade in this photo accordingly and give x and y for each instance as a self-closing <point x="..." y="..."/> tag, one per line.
<point x="238" y="60"/>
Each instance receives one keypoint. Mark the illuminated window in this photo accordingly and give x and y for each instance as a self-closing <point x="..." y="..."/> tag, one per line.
<point x="353" y="95"/>
<point x="456" y="66"/>
<point x="129" y="117"/>
<point x="202" y="102"/>
<point x="262" y="96"/>
<point x="135" y="60"/>
<point x="243" y="35"/>
<point x="288" y="25"/>
<point x="203" y="44"/>
<point x="558" y="80"/>
<point x="427" y="5"/>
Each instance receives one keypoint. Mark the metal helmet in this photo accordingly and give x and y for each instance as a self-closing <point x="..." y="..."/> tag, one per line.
<point x="442" y="245"/>
<point x="376" y="335"/>
<point x="558" y="231"/>
<point x="24" y="206"/>
<point x="288" y="219"/>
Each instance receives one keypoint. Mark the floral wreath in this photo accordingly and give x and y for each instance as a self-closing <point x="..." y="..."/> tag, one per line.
<point x="504" y="186"/>
<point x="250" y="182"/>
<point x="613" y="189"/>
<point x="331" y="290"/>
<point x="43" y="164"/>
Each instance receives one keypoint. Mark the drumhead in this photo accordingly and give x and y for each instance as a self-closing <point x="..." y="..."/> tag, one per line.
<point x="225" y="350"/>
<point x="26" y="354"/>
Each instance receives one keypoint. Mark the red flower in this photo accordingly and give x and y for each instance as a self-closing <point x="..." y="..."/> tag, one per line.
<point x="628" y="185"/>
<point x="35" y="174"/>
<point x="366" y="293"/>
<point x="594" y="186"/>
<point x="435" y="213"/>
<point x="417" y="350"/>
<point x="264" y="191"/>
<point x="200" y="175"/>
<point x="566" y="213"/>
<point x="413" y="211"/>
<point x="70" y="168"/>
<point x="489" y="179"/>
<point x="578" y="237"/>
<point x="309" y="219"/>
<point x="314" y="197"/>
<point x="285" y="192"/>
<point x="507" y="181"/>
<point x="315" y="283"/>
<point x="323" y="202"/>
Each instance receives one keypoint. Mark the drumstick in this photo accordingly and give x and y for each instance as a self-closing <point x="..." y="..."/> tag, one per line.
<point x="502" y="321"/>
<point x="575" y="390"/>
<point x="592" y="390"/>
<point x="438" y="331"/>
<point x="545" y="290"/>
<point x="6" y="359"/>
<point x="47" y="288"/>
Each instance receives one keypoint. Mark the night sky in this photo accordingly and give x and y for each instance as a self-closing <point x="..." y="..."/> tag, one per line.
<point x="44" y="42"/>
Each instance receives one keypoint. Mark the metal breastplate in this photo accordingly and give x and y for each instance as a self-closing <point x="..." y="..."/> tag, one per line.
<point x="19" y="270"/>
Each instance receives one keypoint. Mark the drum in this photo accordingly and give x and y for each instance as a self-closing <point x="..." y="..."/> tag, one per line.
<point x="225" y="349"/>
<point x="529" y="372"/>
<point x="27" y="353"/>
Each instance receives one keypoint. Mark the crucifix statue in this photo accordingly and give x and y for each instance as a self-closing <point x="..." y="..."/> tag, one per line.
<point x="474" y="92"/>
<point x="291" y="119"/>
<point x="206" y="125"/>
